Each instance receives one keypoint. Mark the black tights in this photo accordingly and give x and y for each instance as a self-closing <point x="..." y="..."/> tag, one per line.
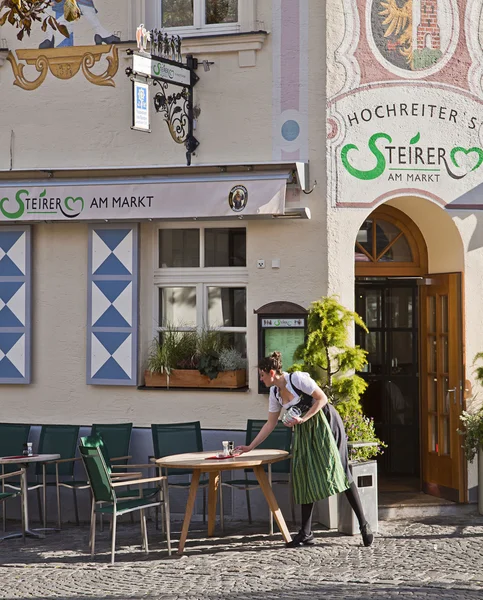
<point x="352" y="496"/>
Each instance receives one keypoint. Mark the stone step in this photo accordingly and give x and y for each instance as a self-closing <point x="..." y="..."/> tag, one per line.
<point x="408" y="511"/>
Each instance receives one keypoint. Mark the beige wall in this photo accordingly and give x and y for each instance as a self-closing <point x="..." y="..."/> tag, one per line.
<point x="73" y="124"/>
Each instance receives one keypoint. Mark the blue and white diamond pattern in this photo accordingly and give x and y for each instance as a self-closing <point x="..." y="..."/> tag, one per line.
<point x="112" y="251"/>
<point x="12" y="355"/>
<point x="14" y="305"/>
<point x="112" y="325"/>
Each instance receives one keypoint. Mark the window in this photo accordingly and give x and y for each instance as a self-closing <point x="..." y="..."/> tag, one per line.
<point x="201" y="281"/>
<point x="216" y="15"/>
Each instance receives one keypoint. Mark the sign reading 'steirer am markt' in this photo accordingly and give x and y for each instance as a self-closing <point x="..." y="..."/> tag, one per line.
<point x="178" y="199"/>
<point x="423" y="142"/>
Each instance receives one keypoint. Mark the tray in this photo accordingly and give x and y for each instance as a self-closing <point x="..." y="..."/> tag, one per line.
<point x="221" y="457"/>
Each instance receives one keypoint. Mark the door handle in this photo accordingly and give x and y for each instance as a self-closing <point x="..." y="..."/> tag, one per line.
<point x="451" y="391"/>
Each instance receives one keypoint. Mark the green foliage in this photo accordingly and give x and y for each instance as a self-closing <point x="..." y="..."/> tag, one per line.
<point x="206" y="350"/>
<point x="210" y="364"/>
<point x="473" y="422"/>
<point x="231" y="360"/>
<point x="361" y="428"/>
<point x="473" y="432"/>
<point x="173" y="350"/>
<point x="333" y="362"/>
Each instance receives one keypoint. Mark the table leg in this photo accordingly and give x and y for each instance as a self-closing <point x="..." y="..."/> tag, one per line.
<point x="195" y="479"/>
<point x="272" y="501"/>
<point x="212" y="497"/>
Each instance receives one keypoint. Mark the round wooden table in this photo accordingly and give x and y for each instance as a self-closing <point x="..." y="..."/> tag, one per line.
<point x="199" y="462"/>
<point x="24" y="462"/>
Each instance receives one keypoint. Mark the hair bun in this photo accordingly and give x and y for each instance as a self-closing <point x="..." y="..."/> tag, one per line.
<point x="276" y="355"/>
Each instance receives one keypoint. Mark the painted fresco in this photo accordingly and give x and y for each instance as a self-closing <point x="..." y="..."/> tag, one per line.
<point x="407" y="117"/>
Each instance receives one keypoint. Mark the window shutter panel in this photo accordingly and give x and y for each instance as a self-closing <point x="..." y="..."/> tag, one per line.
<point x="15" y="306"/>
<point x="112" y="305"/>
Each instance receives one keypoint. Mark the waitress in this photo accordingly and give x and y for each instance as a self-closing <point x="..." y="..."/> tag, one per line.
<point x="320" y="464"/>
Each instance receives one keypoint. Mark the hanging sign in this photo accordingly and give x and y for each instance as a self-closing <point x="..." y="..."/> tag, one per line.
<point x="163" y="69"/>
<point x="141" y="106"/>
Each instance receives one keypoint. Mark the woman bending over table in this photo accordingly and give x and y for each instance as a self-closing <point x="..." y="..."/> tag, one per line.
<point x="320" y="464"/>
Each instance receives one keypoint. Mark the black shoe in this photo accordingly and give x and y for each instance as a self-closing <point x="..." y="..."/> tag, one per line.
<point x="112" y="39"/>
<point x="367" y="535"/>
<point x="47" y="44"/>
<point x="301" y="539"/>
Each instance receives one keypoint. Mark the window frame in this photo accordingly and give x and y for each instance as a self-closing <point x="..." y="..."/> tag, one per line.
<point x="200" y="278"/>
<point x="199" y="26"/>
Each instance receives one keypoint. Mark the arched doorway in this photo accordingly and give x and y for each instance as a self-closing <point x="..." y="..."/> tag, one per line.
<point x="414" y="369"/>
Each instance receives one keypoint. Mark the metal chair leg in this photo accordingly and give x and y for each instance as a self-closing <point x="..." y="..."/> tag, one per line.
<point x="204" y="505"/>
<point x="167" y="516"/>
<point x="39" y="503"/>
<point x="113" y="545"/>
<point x="222" y="515"/>
<point x="145" y="532"/>
<point x="44" y="496"/>
<point x="76" y="508"/>
<point x="93" y="528"/>
<point x="57" y="491"/>
<point x="247" y="493"/>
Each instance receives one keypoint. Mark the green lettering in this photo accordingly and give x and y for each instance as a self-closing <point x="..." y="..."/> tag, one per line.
<point x="21" y="206"/>
<point x="380" y="167"/>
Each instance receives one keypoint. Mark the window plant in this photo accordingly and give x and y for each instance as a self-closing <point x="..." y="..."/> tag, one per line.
<point x="202" y="352"/>
<point x="330" y="359"/>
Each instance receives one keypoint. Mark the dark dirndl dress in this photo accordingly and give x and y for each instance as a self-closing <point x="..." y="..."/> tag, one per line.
<point x="320" y="463"/>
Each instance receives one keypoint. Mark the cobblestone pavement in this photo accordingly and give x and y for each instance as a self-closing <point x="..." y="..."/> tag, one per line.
<point x="430" y="558"/>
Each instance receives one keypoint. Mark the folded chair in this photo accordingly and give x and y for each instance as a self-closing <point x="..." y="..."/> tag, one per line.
<point x="279" y="439"/>
<point x="105" y="500"/>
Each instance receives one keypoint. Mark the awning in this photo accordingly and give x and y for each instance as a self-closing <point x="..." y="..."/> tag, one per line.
<point x="471" y="200"/>
<point x="214" y="196"/>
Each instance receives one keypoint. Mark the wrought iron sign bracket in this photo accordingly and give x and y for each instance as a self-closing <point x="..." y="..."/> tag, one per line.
<point x="164" y="67"/>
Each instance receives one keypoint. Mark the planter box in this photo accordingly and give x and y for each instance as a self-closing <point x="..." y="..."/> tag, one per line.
<point x="188" y="378"/>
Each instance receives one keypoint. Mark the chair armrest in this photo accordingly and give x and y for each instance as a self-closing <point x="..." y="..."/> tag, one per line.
<point x="62" y="460"/>
<point x="120" y="476"/>
<point x="135" y="481"/>
<point x="132" y="466"/>
<point x="120" y="458"/>
<point x="14" y="474"/>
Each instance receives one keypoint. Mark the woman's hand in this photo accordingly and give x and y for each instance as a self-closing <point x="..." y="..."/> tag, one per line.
<point x="242" y="449"/>
<point x="293" y="421"/>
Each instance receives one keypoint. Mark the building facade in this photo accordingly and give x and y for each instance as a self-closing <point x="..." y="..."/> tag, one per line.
<point x="106" y="232"/>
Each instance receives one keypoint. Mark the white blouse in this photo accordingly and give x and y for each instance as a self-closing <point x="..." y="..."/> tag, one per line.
<point x="301" y="380"/>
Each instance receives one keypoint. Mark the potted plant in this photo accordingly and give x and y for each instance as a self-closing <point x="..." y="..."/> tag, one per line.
<point x="194" y="359"/>
<point x="473" y="434"/>
<point x="330" y="359"/>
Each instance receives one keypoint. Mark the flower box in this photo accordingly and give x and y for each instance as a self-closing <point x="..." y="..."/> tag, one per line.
<point x="192" y="378"/>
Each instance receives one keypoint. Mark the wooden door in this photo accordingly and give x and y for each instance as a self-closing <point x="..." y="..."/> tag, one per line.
<point x="442" y="386"/>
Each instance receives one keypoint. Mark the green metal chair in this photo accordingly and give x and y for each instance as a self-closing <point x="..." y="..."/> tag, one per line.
<point x="55" y="439"/>
<point x="4" y="496"/>
<point x="279" y="439"/>
<point x="63" y="440"/>
<point x="13" y="436"/>
<point x="117" y="439"/>
<point x="178" y="438"/>
<point x="105" y="500"/>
